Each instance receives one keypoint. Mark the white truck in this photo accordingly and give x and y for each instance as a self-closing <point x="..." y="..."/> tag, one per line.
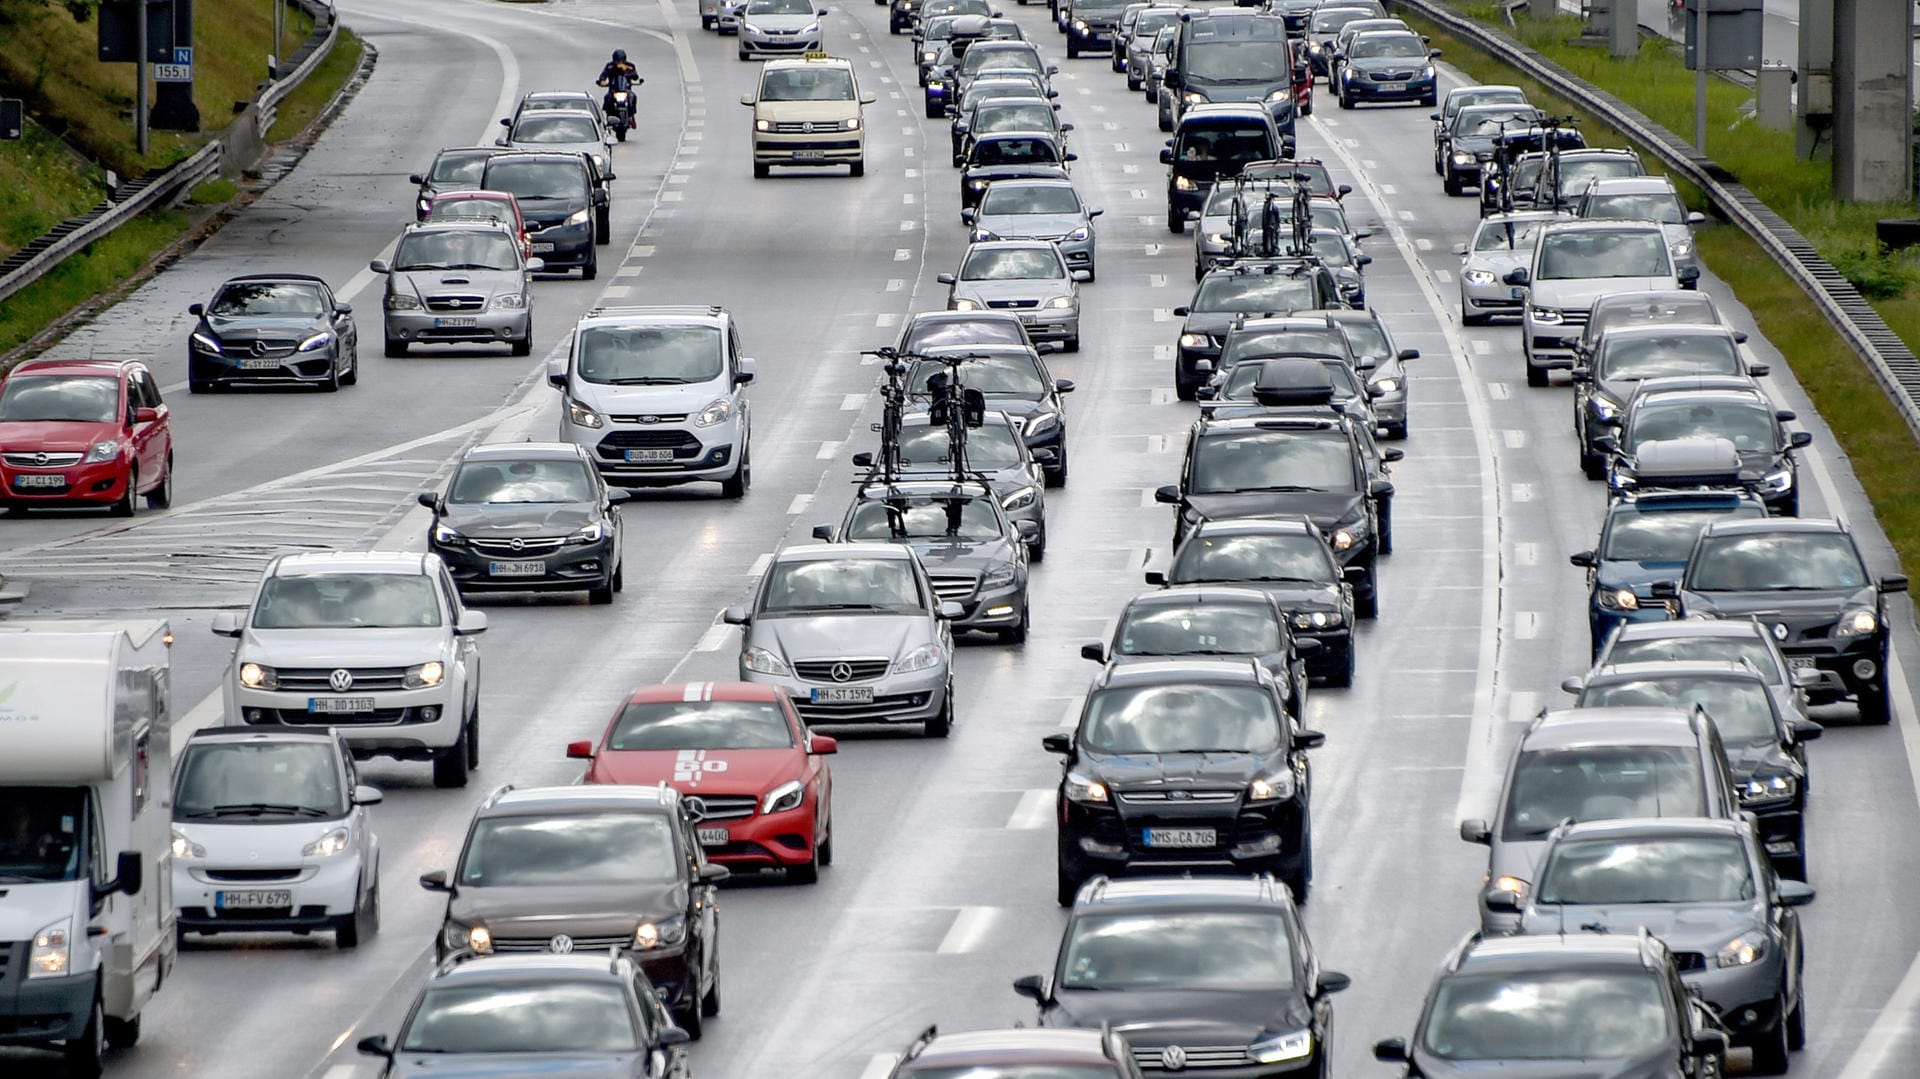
<point x="86" y="918"/>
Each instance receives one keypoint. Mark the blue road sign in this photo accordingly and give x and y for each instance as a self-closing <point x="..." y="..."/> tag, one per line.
<point x="183" y="55"/>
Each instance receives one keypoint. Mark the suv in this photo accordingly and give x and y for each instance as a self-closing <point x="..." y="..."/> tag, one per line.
<point x="1201" y="973"/>
<point x="1210" y="144"/>
<point x="1575" y="263"/>
<point x="1184" y="764"/>
<point x="560" y="197"/>
<point x="376" y="645"/>
<point x="458" y="281"/>
<point x="1595" y="764"/>
<point x="1647" y="536"/>
<point x="1567" y="174"/>
<point x="658" y="396"/>
<point x="529" y="517"/>
<point x="87" y="432"/>
<point x="808" y="112"/>
<point x="1644" y="198"/>
<point x="1228" y="294"/>
<point x="1084" y="1054"/>
<point x="555" y="869"/>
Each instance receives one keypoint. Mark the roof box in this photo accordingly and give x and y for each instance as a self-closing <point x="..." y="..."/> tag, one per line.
<point x="1687" y="462"/>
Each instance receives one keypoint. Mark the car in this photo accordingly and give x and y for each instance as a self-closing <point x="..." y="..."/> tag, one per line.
<point x="1380" y="362"/>
<point x="1039" y="210"/>
<point x="1231" y="226"/>
<point x="1308" y="170"/>
<point x="853" y="633"/>
<point x="1092" y="26"/>
<point x="1341" y="255"/>
<point x="754" y="780"/>
<point x="1323" y="29"/>
<point x="274" y="329"/>
<point x="1243" y="58"/>
<point x="1567" y="174"/>
<point x="1343" y="40"/>
<point x="485" y="206"/>
<point x="1289" y="560"/>
<point x="1605" y="378"/>
<point x="1705" y="888"/>
<point x="1740" y="640"/>
<point x="1566" y="1004"/>
<point x="1387" y="65"/>
<point x="1573" y="264"/>
<point x="1666" y="413"/>
<point x="983" y="113"/>
<point x="1028" y="276"/>
<point x="1179" y="620"/>
<point x="574" y="100"/>
<point x="1644" y="198"/>
<point x="1159" y="59"/>
<point x="1459" y="98"/>
<point x="1135" y="52"/>
<point x="1647" y="536"/>
<point x="808" y="112"/>
<point x="1227" y="295"/>
<point x="1510" y="181"/>
<point x="1297" y="13"/>
<point x="1302" y="333"/>
<point x="938" y="93"/>
<point x="570" y="1011"/>
<point x="270" y="834"/>
<point x="375" y="644"/>
<point x="1211" y="142"/>
<point x="1000" y="58"/>
<point x="1501" y="243"/>
<point x="1467" y="145"/>
<point x="529" y="517"/>
<point x="602" y="866"/>
<point x="454" y="169"/>
<point x="89" y="433"/>
<point x="995" y="455"/>
<point x="462" y="282"/>
<point x="1010" y="155"/>
<point x="1215" y="730"/>
<point x="902" y="15"/>
<point x="1595" y="764"/>
<point x="1259" y="387"/>
<point x="1015" y="381"/>
<point x="1019" y="1052"/>
<point x="1670" y="307"/>
<point x="1018" y="85"/>
<point x="1807" y="580"/>
<point x="563" y="201"/>
<point x="930" y="37"/>
<point x="974" y="556"/>
<point x="923" y="331"/>
<point x="658" y="396"/>
<point x="564" y="131"/>
<point x="1223" y="962"/>
<point x="1765" y="744"/>
<point x="779" y="28"/>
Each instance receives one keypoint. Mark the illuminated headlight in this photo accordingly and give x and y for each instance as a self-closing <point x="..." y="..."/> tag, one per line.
<point x="1272" y="788"/>
<point x="1317" y="619"/>
<point x="1426" y="72"/>
<point x="1779" y="481"/>
<point x="1084" y="232"/>
<point x="719" y="410"/>
<point x="1549" y="315"/>
<point x="965" y="305"/>
<point x="582" y="416"/>
<point x="1769" y="788"/>
<point x="1478" y="277"/>
<point x="103" y="451"/>
<point x="1282" y="94"/>
<point x="1619" y="599"/>
<point x="476" y="939"/>
<point x="205" y="342"/>
<point x="599" y="162"/>
<point x="761" y="661"/>
<point x="426" y="206"/>
<point x="1080" y="25"/>
<point x="662" y="934"/>
<point x="762" y="125"/>
<point x="1041" y="423"/>
<point x="1282" y="1047"/>
<point x="422" y="675"/>
<point x="929" y="57"/>
<point x="578" y="217"/>
<point x="446" y="536"/>
<point x="1387" y="385"/>
<point x="1510" y="884"/>
<point x="1345" y="539"/>
<point x="589" y="533"/>
<point x="977" y="185"/>
<point x="1000" y="576"/>
<point x="1743" y="950"/>
<point x="334" y="842"/>
<point x="1461" y="157"/>
<point x="1019" y="499"/>
<point x="1346" y="73"/>
<point x="852" y="125"/>
<point x="1060" y="303"/>
<point x="186" y="848"/>
<point x="1083" y="789"/>
<point x="400" y="301"/>
<point x="257" y="676"/>
<point x="1193" y="97"/>
<point x="1604" y="408"/>
<point x="1682" y="249"/>
<point x="1857" y="623"/>
<point x="786" y="796"/>
<point x="508" y="301"/>
<point x="49" y="957"/>
<point x="1316" y="48"/>
<point x="924" y="658"/>
<point x="1217" y="238"/>
<point x="1182" y="183"/>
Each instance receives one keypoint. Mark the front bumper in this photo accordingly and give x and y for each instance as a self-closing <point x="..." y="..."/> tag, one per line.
<point x="1258" y="838"/>
<point x="321" y="889"/>
<point x="809" y="148"/>
<point x="1603" y="620"/>
<point x="568" y="567"/>
<point x="998" y="608"/>
<point x="672" y="976"/>
<point x="898" y="698"/>
<point x="1090" y="36"/>
<point x="1056" y="324"/>
<point x="1360" y="87"/>
<point x="763" y="43"/>
<point x="705" y="453"/>
<point x="766" y="841"/>
<point x="1743" y="996"/>
<point x="1186" y="364"/>
<point x="429" y="327"/>
<point x="1844" y="669"/>
<point x="99" y="483"/>
<point x="286" y="368"/>
<point x="1493" y="298"/>
<point x="1311" y="1064"/>
<point x="46" y="1009"/>
<point x="1550" y="344"/>
<point x="1336" y="645"/>
<point x="1180" y="203"/>
<point x="1390" y="409"/>
<point x="412" y="724"/>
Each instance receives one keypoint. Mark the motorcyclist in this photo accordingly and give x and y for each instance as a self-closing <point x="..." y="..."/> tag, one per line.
<point x="619" y="74"/>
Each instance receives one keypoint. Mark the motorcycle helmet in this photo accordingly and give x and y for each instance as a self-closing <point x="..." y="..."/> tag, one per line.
<point x="619" y="56"/>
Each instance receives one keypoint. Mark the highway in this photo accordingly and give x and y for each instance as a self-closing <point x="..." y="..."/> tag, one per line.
<point x="941" y="890"/>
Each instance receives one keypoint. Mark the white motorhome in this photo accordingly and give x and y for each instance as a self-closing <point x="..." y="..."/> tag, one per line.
<point x="86" y="918"/>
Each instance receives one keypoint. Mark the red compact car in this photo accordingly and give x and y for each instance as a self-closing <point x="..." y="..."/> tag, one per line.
<point x="84" y="432"/>
<point x="752" y="776"/>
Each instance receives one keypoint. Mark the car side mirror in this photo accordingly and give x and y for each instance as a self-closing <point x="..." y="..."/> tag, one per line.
<point x="1664" y="590"/>
<point x="1572" y="685"/>
<point x="226" y="624"/>
<point x="1029" y="530"/>
<point x="196" y="309"/>
<point x="364" y="795"/>
<point x="146" y="415"/>
<point x="1032" y="987"/>
<point x="1096" y="212"/>
<point x="967" y="217"/>
<point x="1182" y="312"/>
<point x="945" y="278"/>
<point x="379" y="266"/>
<point x="867" y="97"/>
<point x="1406" y="354"/>
<point x="1192" y="216"/>
<point x="1044" y="455"/>
<point x="1392" y="454"/>
<point x="1805" y="677"/>
<point x="821" y="745"/>
<point x="1155" y="577"/>
<point x="736" y="616"/>
<point x="374" y="1045"/>
<point x="1739" y="337"/>
<point x="1759" y="370"/>
<point x="748" y="99"/>
<point x="1800" y="440"/>
<point x="1795" y="893"/>
<point x="1171" y="79"/>
<point x="1475" y="830"/>
<point x="416" y="179"/>
<point x="1203" y="367"/>
<point x="1331" y="981"/>
<point x="1166" y="157"/>
<point x="1057" y="743"/>
<point x="1460" y="249"/>
<point x="1805" y="730"/>
<point x="1695" y="217"/>
<point x="823" y="532"/>
<point x="1504" y="901"/>
<point x="1893" y="582"/>
<point x="579" y="751"/>
<point x="714" y="874"/>
<point x="429" y="500"/>
<point x="1390" y="1050"/>
<point x="1433" y="53"/>
<point x="436" y="881"/>
<point x="863" y="459"/>
<point x="1380" y="488"/>
<point x="949" y="610"/>
<point x="470" y="624"/>
<point x="1066" y="127"/>
<point x="1094" y="651"/>
<point x="506" y="121"/>
<point x="129" y="875"/>
<point x="1167" y="495"/>
<point x="1063" y="385"/>
<point x="1433" y="116"/>
<point x="671" y="1036"/>
<point x="1309" y="739"/>
<point x="1363" y="260"/>
<point x="1070" y="157"/>
<point x="343" y="309"/>
<point x="1518" y="276"/>
<point x="618" y="495"/>
<point x="1583" y="559"/>
<point x="1688" y="276"/>
<point x="1709" y="1043"/>
<point x="501" y="141"/>
<point x="536" y="264"/>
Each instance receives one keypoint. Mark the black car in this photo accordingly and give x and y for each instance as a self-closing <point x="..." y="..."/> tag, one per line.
<point x="560" y="196"/>
<point x="1206" y="620"/>
<point x="1015" y="381"/>
<point x="927" y="330"/>
<point x="1201" y="974"/>
<point x="1380" y="362"/>
<point x="1091" y="25"/>
<point x="902" y="15"/>
<point x="1466" y="145"/>
<point x="456" y="169"/>
<point x="529" y="517"/>
<point x="283" y="329"/>
<point x="1573" y="1004"/>
<point x="1229" y="294"/>
<point x="1604" y="378"/>
<point x="1010" y="155"/>
<point x="1732" y="408"/>
<point x="1178" y="765"/>
<point x="1807" y="581"/>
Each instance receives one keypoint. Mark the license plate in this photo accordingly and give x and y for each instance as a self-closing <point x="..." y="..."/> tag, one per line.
<point x="456" y="323"/>
<point x="1391" y="87"/>
<point x="256" y="364"/>
<point x="809" y="155"/>
<point x="711" y="837"/>
<point x="843" y="695"/>
<point x="338" y="706"/>
<point x="1180" y="837"/>
<point x="39" y="480"/>
<point x="649" y="457"/>
<point x="517" y="569"/>
<point x="1517" y="293"/>
<point x="252" y="900"/>
<point x="542" y="249"/>
<point x="1802" y="663"/>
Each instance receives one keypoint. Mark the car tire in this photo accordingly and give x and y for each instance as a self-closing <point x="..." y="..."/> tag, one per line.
<point x="762" y="170"/>
<point x="1073" y="343"/>
<point x="1536" y="376"/>
<point x="1133" y="84"/>
<point x="523" y="346"/>
<point x="1875" y="710"/>
<point x="690" y="1021"/>
<point x="935" y="112"/>
<point x="600" y="595"/>
<point x="603" y="226"/>
<point x="1770" y="1056"/>
<point x="347" y="929"/>
<point x="1345" y="101"/>
<point x="1090" y="273"/>
<point x="1176" y="221"/>
<point x="1592" y="465"/>
<point x="592" y="268"/>
<point x="1796" y="1022"/>
<point x="807" y="872"/>
<point x="1073" y="51"/>
<point x="395" y="349"/>
<point x="1037" y="550"/>
<point x="1186" y="391"/>
<point x="121" y="1033"/>
<point x="1058" y="477"/>
<point x="710" y="1002"/>
<point x="857" y="168"/>
<point x="351" y="377"/>
<point x="1368" y="606"/>
<point x="1300" y="881"/>
<point x="707" y="21"/>
<point x="1066" y="885"/>
<point x="84" y="1052"/>
<point x="941" y="725"/>
<point x="1396" y="432"/>
<point x="1018" y="634"/>
<point x="735" y="486"/>
<point x="199" y="386"/>
<point x="450" y="767"/>
<point x="1474" y="318"/>
<point x="1451" y="186"/>
<point x="162" y="495"/>
<point x="1430" y="101"/>
<point x="743" y="55"/>
<point x="331" y="384"/>
<point x="1341" y="677"/>
<point x="1166" y="122"/>
<point x="130" y="502"/>
<point x="620" y="577"/>
<point x="1386" y="528"/>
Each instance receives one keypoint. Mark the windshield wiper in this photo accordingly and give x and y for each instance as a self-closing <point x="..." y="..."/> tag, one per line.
<point x="842" y="607"/>
<point x="260" y="808"/>
<point x="1297" y="580"/>
<point x="1279" y="487"/>
<point x="645" y="380"/>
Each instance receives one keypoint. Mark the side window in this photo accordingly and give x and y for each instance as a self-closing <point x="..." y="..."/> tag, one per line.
<point x="132" y="398"/>
<point x="149" y="391"/>
<point x="649" y="1006"/>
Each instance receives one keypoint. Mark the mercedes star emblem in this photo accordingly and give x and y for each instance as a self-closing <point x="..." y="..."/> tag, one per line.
<point x="696" y="808"/>
<point x="1173" y="1058"/>
<point x="517" y="543"/>
<point x="841" y="672"/>
<point x="561" y="945"/>
<point x="259" y="348"/>
<point x="341" y="680"/>
<point x="1779" y="631"/>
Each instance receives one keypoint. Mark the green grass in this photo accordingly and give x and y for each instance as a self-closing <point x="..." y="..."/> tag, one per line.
<point x="99" y="268"/>
<point x="213" y="193"/>
<point x="307" y="99"/>
<point x="41" y="184"/>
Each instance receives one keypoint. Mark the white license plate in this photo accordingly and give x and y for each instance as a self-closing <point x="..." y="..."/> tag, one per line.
<point x="39" y="480"/>
<point x="1390" y="87"/>
<point x="534" y="568"/>
<point x="1180" y="837"/>
<point x="338" y="706"/>
<point x="252" y="900"/>
<point x="456" y="323"/>
<point x="843" y="695"/>
<point x="650" y="457"/>
<point x="809" y="155"/>
<point x="257" y="364"/>
<point x="711" y="837"/>
<point x="542" y="249"/>
<point x="1802" y="663"/>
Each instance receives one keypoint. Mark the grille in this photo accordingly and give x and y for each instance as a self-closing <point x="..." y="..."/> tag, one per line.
<point x="1185" y="798"/>
<point x="1571" y="317"/>
<point x="953" y="586"/>
<point x="1197" y="1056"/>
<point x="1391" y="76"/>
<point x="319" y="679"/>
<point x="727" y="806"/>
<point x="250" y="876"/>
<point x="544" y="944"/>
<point x="1012" y="303"/>
<point x="804" y="127"/>
<point x="456" y="303"/>
<point x="860" y="711"/>
<point x="265" y="346"/>
<point x="32" y="460"/>
<point x="814" y="144"/>
<point x="528" y="545"/>
<point x="649" y="417"/>
<point x="1687" y="961"/>
<point x="821" y="670"/>
<point x="682" y="443"/>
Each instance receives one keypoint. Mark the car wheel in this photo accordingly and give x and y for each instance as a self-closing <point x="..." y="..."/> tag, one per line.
<point x="524" y="345"/>
<point x="1430" y="101"/>
<point x="1301" y="878"/>
<point x="826" y="845"/>
<point x="620" y="577"/>
<point x="162" y="496"/>
<point x="735" y="486"/>
<point x="1307" y="108"/>
<point x="346" y="928"/>
<point x="857" y="168"/>
<point x="122" y="1033"/>
<point x="1451" y="185"/>
<point x="1874" y="705"/>
<point x="1037" y="550"/>
<point x="807" y="872"/>
<point x="603" y="226"/>
<point x="1345" y="101"/>
<point x="473" y="739"/>
<point x="450" y="767"/>
<point x="1166" y="122"/>
<point x="592" y="269"/>
<point x="1592" y="465"/>
<point x="1133" y="84"/>
<point x="129" y="502"/>
<point x="1018" y="634"/>
<point x="690" y="1021"/>
<point x="710" y="1003"/>
<point x="1386" y="528"/>
<point x="1341" y="676"/>
<point x="1186" y="391"/>
<point x="1536" y="376"/>
<point x="941" y="725"/>
<point x="1090" y="273"/>
<point x="331" y="384"/>
<point x="352" y="375"/>
<point x="1770" y="1046"/>
<point x="199" y="386"/>
<point x="935" y="112"/>
<point x="601" y="594"/>
<point x="1073" y="343"/>
<point x="706" y="22"/>
<point x="1176" y="221"/>
<point x="84" y="1052"/>
<point x="1473" y="318"/>
<point x="1368" y="606"/>
<point x="762" y="170"/>
<point x="1058" y="477"/>
<point x="395" y="349"/>
<point x="743" y="54"/>
<point x="1073" y="51"/>
<point x="1066" y="885"/>
<point x="1797" y="1024"/>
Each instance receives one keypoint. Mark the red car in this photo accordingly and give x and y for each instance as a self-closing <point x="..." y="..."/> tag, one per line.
<point x="84" y="432"/>
<point x="752" y="776"/>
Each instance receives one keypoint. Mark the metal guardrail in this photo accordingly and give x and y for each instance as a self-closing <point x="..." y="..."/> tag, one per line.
<point x="1893" y="364"/>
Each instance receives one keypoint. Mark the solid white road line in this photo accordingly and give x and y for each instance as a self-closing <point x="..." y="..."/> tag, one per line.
<point x="879" y="1066"/>
<point x="1034" y="812"/>
<point x="799" y="504"/>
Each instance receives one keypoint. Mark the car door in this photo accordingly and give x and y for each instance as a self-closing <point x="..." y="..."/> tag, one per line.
<point x="466" y="650"/>
<point x="343" y="326"/>
<point x="150" y="439"/>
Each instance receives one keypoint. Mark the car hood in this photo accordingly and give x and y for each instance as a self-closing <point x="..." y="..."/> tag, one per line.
<point x="802" y="111"/>
<point x="833" y="636"/>
<point x="433" y="282"/>
<point x="240" y="330"/>
<point x="1636" y="575"/>
<point x="1655" y="1065"/>
<point x="1473" y="144"/>
<point x="1151" y="1019"/>
<point x="1290" y="595"/>
<point x="342" y="647"/>
<point x="271" y="839"/>
<point x="1685" y="927"/>
<point x="1751" y="759"/>
<point x="1515" y="857"/>
<point x="581" y="910"/>
<point x="592" y="149"/>
<point x="1580" y="292"/>
<point x="1797" y="611"/>
<point x="1125" y="772"/>
<point x="741" y="771"/>
<point x="1410" y="64"/>
<point x="26" y="908"/>
<point x="1218" y="92"/>
<point x="58" y="436"/>
<point x="972" y="556"/>
<point x="1754" y="463"/>
<point x="1327" y="509"/>
<point x="1498" y="262"/>
<point x="546" y="211"/>
<point x="671" y="400"/>
<point x="771" y="21"/>
<point x="1039" y="290"/>
<point x="1030" y="226"/>
<point x="1211" y="323"/>
<point x="516" y="1065"/>
<point x="506" y="520"/>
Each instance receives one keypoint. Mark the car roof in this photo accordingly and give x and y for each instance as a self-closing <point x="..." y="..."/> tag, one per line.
<point x="921" y="318"/>
<point x="457" y="224"/>
<point x="101" y="368"/>
<point x="1225" y="110"/>
<point x="519" y="967"/>
<point x="1764" y="525"/>
<point x="1256" y="526"/>
<point x="1479" y="87"/>
<point x="1719" y="387"/>
<point x="1325" y="420"/>
<point x="581" y="798"/>
<point x="1718" y="670"/>
<point x="1356" y="314"/>
<point x="291" y="276"/>
<point x="689" y="692"/>
<point x="1653" y="827"/>
<point x="1555" y="951"/>
<point x="1629" y="330"/>
<point x="654" y="315"/>
<point x="1524" y="215"/>
<point x="1598" y="151"/>
<point x="925" y="488"/>
<point x="512" y="451"/>
<point x="809" y="61"/>
<point x="1011" y="245"/>
<point x="1691" y="627"/>
<point x="1588" y="224"/>
<point x="588" y="113"/>
<point x="1135" y="893"/>
<point x="826" y="552"/>
<point x="1574" y="728"/>
<point x="265" y="733"/>
<point x="1203" y="594"/>
<point x="921" y="417"/>
<point x="321" y="562"/>
<point x="1020" y="1045"/>
<point x="1174" y="671"/>
<point x="1630" y="185"/>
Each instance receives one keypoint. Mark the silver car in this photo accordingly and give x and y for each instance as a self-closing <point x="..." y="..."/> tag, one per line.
<point x="1577" y="262"/>
<point x="1213" y="231"/>
<point x="458" y="282"/>
<point x="1139" y="42"/>
<point x="1380" y="362"/>
<point x="1028" y="277"/>
<point x="574" y="130"/>
<point x="1038" y="210"/>
<point x="1645" y="198"/>
<point x="779" y="28"/>
<point x="854" y="633"/>
<point x="995" y="453"/>
<point x="1501" y="244"/>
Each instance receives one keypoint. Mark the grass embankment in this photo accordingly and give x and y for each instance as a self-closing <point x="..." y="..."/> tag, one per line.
<point x="307" y="99"/>
<point x="1882" y="450"/>
<point x="42" y="182"/>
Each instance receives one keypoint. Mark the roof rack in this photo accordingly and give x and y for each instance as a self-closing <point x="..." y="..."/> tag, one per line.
<point x="632" y="310"/>
<point x="920" y="1043"/>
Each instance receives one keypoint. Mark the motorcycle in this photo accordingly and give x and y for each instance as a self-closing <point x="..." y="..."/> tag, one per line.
<point x="621" y="108"/>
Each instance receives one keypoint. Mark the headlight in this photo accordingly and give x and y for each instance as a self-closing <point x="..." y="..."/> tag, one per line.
<point x="1317" y="619"/>
<point x="762" y="125"/>
<point x="1272" y="788"/>
<point x="476" y="939"/>
<point x="186" y="848"/>
<point x="1346" y="73"/>
<point x="1857" y="623"/>
<point x="1019" y="498"/>
<point x="1604" y="407"/>
<point x="49" y="958"/>
<point x="1282" y="1047"/>
<point x="508" y="301"/>
<point x="1282" y="94"/>
<point x="1743" y="950"/>
<point x="579" y="217"/>
<point x="998" y="577"/>
<point x="1478" y="277"/>
<point x="1040" y="423"/>
<point x="1195" y="340"/>
<point x="104" y="451"/>
<point x="205" y="342"/>
<point x="588" y="533"/>
<point x="977" y="185"/>
<point x="761" y="661"/>
<point x="852" y="124"/>
<point x="582" y="416"/>
<point x="1059" y="303"/>
<point x="719" y="410"/>
<point x="1426" y="72"/>
<point x="662" y="934"/>
<point x="1348" y="536"/>
<point x="1619" y="599"/>
<point x="924" y="658"/>
<point x="812" y="28"/>
<point x="1084" y="232"/>
<point x="1461" y="157"/>
<point x="334" y="842"/>
<point x="982" y="235"/>
<point x="929" y="57"/>
<point x="1779" y="481"/>
<point x="426" y="207"/>
<point x="401" y="301"/>
<point x="446" y="536"/>
<point x="1778" y="788"/>
<point x="749" y="28"/>
<point x="1682" y="249"/>
<point x="1316" y="48"/>
<point x="965" y="305"/>
<point x="423" y="675"/>
<point x="1387" y="385"/>
<point x="1193" y="97"/>
<point x="599" y="162"/>
<point x="1182" y="183"/>
<point x="1549" y="315"/>
<point x="786" y="796"/>
<point x="1217" y="238"/>
<point x="256" y="676"/>
<point x="1082" y="789"/>
<point x="1080" y="25"/>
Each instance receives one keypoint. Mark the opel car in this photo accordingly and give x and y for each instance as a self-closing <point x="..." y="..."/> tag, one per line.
<point x="273" y="328"/>
<point x="1028" y="277"/>
<point x="84" y="433"/>
<point x="529" y="517"/>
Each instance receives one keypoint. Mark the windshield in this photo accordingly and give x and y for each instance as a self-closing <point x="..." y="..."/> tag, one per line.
<point x="1577" y="174"/>
<point x="1486" y="123"/>
<point x="1777" y="562"/>
<point x="1590" y="254"/>
<point x="1022" y="118"/>
<point x="75" y="398"/>
<point x="841" y="583"/>
<point x="1012" y="264"/>
<point x="538" y="179"/>
<point x="1748" y="423"/>
<point x="530" y="1017"/>
<point x="701" y="725"/>
<point x="1273" y="460"/>
<point x="537" y="102"/>
<point x="459" y="168"/>
<point x="457" y="249"/>
<point x="1237" y="61"/>
<point x="1012" y="376"/>
<point x="780" y="7"/>
<point x="551" y="127"/>
<point x="985" y="332"/>
<point x="1547" y="1015"/>
<point x="1256" y="294"/>
<point x="1329" y="23"/>
<point x="1663" y="207"/>
<point x="1266" y="557"/>
<point x="347" y="601"/>
<point x="997" y="86"/>
<point x="1236" y="145"/>
<point x="1152" y="22"/>
<point x="1304" y="341"/>
<point x="521" y="482"/>
<point x="1506" y="235"/>
<point x="924" y="518"/>
<point x="992" y="447"/>
<point x="1013" y="150"/>
<point x="1004" y="57"/>
<point x="40" y="834"/>
<point x="1016" y="199"/>
<point x="1397" y="46"/>
<point x="1637" y="312"/>
<point x="1601" y="783"/>
<point x="807" y="84"/>
<point x="1195" y="717"/>
<point x="1461" y="99"/>
<point x="1747" y="647"/>
<point x="237" y="781"/>
<point x="573" y="849"/>
<point x="1681" y="869"/>
<point x="1235" y="951"/>
<point x="1660" y="535"/>
<point x="269" y="299"/>
<point x="650" y="355"/>
<point x="1624" y="359"/>
<point x="1741" y="708"/>
<point x="1210" y="629"/>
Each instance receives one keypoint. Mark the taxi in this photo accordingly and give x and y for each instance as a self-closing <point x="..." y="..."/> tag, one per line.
<point x="807" y="112"/>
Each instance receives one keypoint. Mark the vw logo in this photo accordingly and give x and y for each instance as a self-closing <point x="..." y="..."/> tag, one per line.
<point x="39" y="458"/>
<point x="841" y="672"/>
<point x="1173" y="1058"/>
<point x="1779" y="631"/>
<point x="259" y="348"/>
<point x="561" y="945"/>
<point x="696" y="808"/>
<point x="517" y="543"/>
<point x="806" y="128"/>
<point x="341" y="680"/>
